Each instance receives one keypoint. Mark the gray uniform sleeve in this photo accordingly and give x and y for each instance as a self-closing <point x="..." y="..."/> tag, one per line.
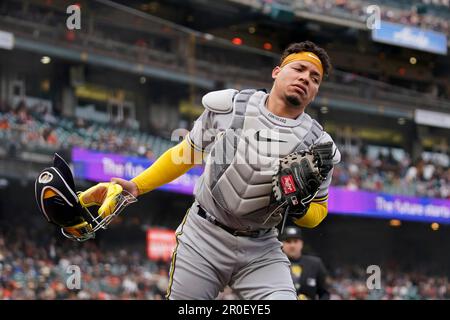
<point x="322" y="195"/>
<point x="206" y="128"/>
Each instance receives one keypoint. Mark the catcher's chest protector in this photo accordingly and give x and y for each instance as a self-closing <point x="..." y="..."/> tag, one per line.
<point x="238" y="173"/>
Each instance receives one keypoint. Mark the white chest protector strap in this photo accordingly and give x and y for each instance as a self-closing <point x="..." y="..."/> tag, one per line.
<point x="240" y="108"/>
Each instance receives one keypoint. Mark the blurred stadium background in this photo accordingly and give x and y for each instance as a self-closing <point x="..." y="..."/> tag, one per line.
<point x="109" y="96"/>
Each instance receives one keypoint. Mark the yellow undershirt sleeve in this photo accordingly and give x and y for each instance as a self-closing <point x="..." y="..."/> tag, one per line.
<point x="170" y="165"/>
<point x="317" y="211"/>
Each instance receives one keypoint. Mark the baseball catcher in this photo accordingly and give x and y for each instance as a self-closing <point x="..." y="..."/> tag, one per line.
<point x="265" y="157"/>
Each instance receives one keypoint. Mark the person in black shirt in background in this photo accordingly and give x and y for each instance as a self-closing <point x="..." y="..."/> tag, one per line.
<point x="308" y="272"/>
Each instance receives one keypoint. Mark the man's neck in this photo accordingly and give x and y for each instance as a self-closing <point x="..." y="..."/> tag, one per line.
<point x="278" y="107"/>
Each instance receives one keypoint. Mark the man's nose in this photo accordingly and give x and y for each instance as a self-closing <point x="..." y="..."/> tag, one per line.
<point x="304" y="78"/>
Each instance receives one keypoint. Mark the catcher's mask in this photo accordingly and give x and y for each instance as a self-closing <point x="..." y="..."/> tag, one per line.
<point x="58" y="201"/>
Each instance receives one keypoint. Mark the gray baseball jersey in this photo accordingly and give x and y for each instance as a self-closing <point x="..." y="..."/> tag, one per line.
<point x="244" y="146"/>
<point x="244" y="142"/>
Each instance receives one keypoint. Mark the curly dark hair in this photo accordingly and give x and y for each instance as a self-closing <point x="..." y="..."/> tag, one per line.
<point x="311" y="47"/>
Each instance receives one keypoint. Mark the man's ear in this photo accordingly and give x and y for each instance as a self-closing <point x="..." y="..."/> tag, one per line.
<point x="275" y="72"/>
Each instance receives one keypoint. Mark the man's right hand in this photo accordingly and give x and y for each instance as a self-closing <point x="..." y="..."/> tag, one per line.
<point x="129" y="186"/>
<point x="106" y="195"/>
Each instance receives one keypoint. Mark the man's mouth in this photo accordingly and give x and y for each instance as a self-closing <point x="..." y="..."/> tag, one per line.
<point x="301" y="89"/>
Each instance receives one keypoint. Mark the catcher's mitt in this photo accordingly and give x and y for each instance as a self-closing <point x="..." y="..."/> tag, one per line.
<point x="299" y="175"/>
<point x="297" y="181"/>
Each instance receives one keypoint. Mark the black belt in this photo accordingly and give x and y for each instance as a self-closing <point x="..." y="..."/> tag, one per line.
<point x="238" y="233"/>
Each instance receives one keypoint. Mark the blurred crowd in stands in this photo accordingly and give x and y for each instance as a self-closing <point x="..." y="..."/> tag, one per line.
<point x="434" y="19"/>
<point x="36" y="266"/>
<point x="384" y="173"/>
<point x="423" y="14"/>
<point x="36" y="127"/>
<point x="351" y="284"/>
<point x="164" y="48"/>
